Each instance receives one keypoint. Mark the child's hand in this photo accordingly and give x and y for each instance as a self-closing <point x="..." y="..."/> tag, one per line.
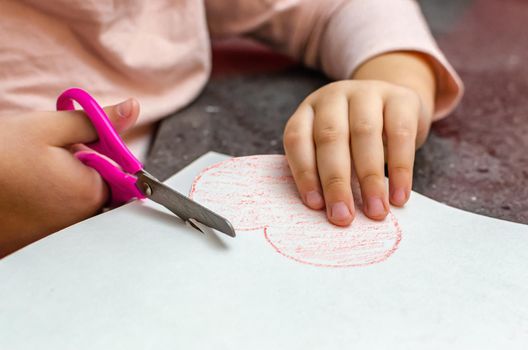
<point x="357" y="124"/>
<point x="44" y="187"/>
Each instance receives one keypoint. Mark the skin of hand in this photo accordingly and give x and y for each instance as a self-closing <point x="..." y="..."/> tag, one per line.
<point x="383" y="114"/>
<point x="44" y="187"/>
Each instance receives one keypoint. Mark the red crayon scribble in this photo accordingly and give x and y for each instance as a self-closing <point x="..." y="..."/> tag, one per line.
<point x="258" y="193"/>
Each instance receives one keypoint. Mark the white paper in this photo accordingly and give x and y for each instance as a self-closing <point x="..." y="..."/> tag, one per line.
<point x="428" y="277"/>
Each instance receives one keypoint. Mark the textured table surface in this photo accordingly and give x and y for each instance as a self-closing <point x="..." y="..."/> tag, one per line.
<point x="477" y="159"/>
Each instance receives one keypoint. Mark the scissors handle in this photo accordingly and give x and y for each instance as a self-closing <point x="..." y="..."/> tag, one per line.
<point x="109" y="143"/>
<point x="122" y="186"/>
<point x="119" y="176"/>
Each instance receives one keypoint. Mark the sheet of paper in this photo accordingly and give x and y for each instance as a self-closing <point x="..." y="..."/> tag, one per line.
<point x="428" y="277"/>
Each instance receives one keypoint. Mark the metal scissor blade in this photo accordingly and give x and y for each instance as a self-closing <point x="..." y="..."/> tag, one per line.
<point x="180" y="205"/>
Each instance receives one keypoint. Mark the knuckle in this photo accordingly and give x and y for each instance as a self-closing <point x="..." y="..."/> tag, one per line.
<point x="402" y="132"/>
<point x="413" y="96"/>
<point x="329" y="134"/>
<point x="291" y="139"/>
<point x="305" y="177"/>
<point x="328" y="92"/>
<point x="312" y="97"/>
<point x="331" y="87"/>
<point x="367" y="88"/>
<point x="370" y="178"/>
<point x="371" y="87"/>
<point x="400" y="168"/>
<point x="363" y="128"/>
<point x="408" y="95"/>
<point x="335" y="182"/>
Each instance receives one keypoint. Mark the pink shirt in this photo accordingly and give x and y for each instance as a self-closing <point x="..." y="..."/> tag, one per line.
<point x="159" y="51"/>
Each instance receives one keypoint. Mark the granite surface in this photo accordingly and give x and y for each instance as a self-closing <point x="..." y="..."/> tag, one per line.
<point x="477" y="159"/>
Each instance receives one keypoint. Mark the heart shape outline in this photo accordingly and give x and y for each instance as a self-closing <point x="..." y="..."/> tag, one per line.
<point x="246" y="190"/>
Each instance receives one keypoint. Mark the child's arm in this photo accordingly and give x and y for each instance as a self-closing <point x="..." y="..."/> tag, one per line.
<point x="44" y="187"/>
<point x="382" y="89"/>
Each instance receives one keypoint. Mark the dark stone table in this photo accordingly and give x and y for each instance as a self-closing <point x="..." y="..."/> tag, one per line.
<point x="477" y="159"/>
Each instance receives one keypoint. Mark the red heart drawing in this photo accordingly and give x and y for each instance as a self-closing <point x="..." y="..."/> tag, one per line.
<point x="258" y="193"/>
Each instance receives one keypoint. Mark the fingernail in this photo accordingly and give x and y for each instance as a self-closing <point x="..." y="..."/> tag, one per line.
<point x="314" y="199"/>
<point x="399" y="196"/>
<point x="340" y="211"/>
<point x="124" y="109"/>
<point x="375" y="206"/>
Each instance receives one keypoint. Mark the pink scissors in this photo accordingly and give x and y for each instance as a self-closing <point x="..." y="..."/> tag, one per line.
<point x="125" y="175"/>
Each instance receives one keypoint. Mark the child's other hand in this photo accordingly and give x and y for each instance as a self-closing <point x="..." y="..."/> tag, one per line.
<point x="43" y="186"/>
<point x="355" y="124"/>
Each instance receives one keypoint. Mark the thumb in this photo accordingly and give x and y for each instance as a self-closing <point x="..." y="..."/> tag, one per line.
<point x="70" y="127"/>
<point x="124" y="114"/>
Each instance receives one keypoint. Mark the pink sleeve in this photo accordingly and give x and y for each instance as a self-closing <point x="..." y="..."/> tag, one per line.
<point x="337" y="36"/>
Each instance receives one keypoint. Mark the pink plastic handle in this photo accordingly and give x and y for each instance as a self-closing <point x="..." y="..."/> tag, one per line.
<point x="122" y="186"/>
<point x="109" y="143"/>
